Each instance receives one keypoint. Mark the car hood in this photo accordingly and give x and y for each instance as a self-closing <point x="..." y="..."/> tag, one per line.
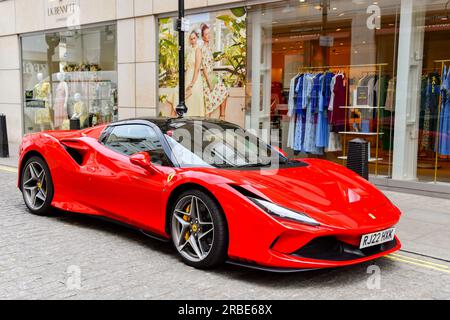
<point x="319" y="189"/>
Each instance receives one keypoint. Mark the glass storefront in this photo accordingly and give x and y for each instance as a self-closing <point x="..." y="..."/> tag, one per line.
<point x="69" y="78"/>
<point x="433" y="31"/>
<point x="322" y="73"/>
<point x="216" y="48"/>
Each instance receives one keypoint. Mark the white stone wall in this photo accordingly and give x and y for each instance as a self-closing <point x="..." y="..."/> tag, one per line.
<point x="136" y="37"/>
<point x="10" y="78"/>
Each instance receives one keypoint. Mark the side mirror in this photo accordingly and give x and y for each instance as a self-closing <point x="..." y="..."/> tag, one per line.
<point x="142" y="159"/>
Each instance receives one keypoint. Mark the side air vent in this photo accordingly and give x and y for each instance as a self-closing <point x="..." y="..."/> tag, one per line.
<point x="77" y="149"/>
<point x="75" y="154"/>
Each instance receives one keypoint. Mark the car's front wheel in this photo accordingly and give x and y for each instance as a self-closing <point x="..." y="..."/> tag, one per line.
<point x="37" y="186"/>
<point x="199" y="230"/>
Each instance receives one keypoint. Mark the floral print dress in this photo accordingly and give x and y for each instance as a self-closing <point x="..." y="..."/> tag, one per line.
<point x="215" y="97"/>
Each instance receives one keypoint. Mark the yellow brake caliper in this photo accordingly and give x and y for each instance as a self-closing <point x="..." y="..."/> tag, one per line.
<point x="186" y="218"/>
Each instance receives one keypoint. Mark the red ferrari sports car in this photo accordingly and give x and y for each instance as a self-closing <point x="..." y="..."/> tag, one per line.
<point x="208" y="186"/>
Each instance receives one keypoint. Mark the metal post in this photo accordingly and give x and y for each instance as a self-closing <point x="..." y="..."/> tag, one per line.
<point x="181" y="108"/>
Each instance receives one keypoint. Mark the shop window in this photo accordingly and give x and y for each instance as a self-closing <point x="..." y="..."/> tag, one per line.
<point x="69" y="79"/>
<point x="322" y="73"/>
<point x="216" y="48"/>
<point x="434" y="117"/>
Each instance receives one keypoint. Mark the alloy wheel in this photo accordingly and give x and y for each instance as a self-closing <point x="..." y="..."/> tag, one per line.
<point x="35" y="185"/>
<point x="192" y="228"/>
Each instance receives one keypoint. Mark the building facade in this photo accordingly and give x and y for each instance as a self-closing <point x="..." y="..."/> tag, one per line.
<point x="313" y="73"/>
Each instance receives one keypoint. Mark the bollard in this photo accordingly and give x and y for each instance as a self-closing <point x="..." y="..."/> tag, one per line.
<point x="358" y="157"/>
<point x="4" y="148"/>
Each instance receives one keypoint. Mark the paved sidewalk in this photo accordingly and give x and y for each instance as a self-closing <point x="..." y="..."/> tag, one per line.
<point x="13" y="159"/>
<point x="425" y="225"/>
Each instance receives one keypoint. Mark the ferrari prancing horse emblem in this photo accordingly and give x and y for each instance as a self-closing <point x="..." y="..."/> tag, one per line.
<point x="170" y="177"/>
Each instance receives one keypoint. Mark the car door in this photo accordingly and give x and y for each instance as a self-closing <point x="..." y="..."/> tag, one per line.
<point x="126" y="191"/>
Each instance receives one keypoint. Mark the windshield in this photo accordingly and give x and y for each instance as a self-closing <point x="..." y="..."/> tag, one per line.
<point x="219" y="145"/>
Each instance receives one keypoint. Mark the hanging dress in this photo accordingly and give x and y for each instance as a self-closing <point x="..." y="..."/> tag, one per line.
<point x="337" y="120"/>
<point x="310" y="127"/>
<point x="291" y="112"/>
<point x="323" y="131"/>
<point x="300" y="117"/>
<point x="444" y="132"/>
<point x="334" y="141"/>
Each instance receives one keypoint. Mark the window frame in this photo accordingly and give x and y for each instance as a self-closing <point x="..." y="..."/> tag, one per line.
<point x="166" y="148"/>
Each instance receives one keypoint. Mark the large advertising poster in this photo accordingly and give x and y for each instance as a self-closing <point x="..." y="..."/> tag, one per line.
<point x="215" y="65"/>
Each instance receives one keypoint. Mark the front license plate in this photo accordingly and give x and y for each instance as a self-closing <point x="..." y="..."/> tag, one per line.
<point x="372" y="239"/>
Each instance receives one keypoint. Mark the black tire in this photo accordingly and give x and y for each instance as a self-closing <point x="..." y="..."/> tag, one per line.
<point x="219" y="248"/>
<point x="44" y="209"/>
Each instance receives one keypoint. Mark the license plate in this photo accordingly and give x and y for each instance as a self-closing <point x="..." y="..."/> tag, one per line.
<point x="372" y="239"/>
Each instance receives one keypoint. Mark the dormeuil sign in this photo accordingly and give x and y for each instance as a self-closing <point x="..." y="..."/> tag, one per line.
<point x="66" y="12"/>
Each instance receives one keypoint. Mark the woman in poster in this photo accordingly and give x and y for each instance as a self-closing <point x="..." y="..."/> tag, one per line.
<point x="194" y="91"/>
<point x="215" y="95"/>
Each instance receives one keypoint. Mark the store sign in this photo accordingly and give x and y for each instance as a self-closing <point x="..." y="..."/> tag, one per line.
<point x="362" y="96"/>
<point x="63" y="12"/>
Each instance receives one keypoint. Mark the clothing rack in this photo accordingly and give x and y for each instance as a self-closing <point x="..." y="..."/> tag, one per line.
<point x="345" y="66"/>
<point x="436" y="162"/>
<point x="378" y="69"/>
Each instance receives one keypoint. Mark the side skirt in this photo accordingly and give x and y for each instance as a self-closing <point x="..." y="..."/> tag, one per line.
<point x="147" y="233"/>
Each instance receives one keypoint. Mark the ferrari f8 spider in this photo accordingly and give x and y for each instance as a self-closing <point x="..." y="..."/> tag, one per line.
<point x="215" y="190"/>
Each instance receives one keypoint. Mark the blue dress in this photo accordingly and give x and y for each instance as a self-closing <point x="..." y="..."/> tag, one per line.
<point x="444" y="132"/>
<point x="323" y="129"/>
<point x="299" y="134"/>
<point x="310" y="127"/>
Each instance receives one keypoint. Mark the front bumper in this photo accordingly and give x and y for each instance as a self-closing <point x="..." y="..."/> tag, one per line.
<point x="324" y="251"/>
<point x="259" y="240"/>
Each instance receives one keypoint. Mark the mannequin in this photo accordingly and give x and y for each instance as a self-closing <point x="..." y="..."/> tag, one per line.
<point x="80" y="110"/>
<point x="60" y="107"/>
<point x="41" y="92"/>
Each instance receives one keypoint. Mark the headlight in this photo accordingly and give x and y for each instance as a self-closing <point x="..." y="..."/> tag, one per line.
<point x="278" y="211"/>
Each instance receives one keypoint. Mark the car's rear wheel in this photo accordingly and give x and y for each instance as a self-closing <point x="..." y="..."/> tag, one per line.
<point x="199" y="230"/>
<point x="37" y="186"/>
